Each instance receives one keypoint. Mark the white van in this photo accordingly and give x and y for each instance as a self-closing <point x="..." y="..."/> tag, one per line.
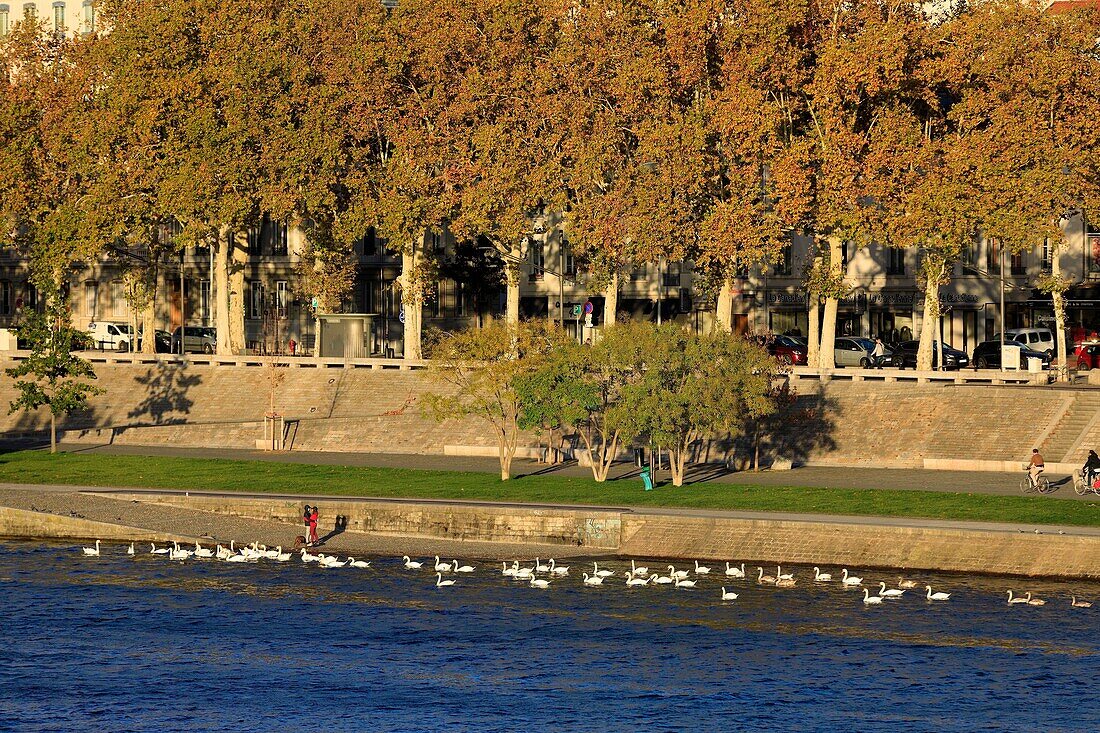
<point x="1036" y="339"/>
<point x="111" y="335"/>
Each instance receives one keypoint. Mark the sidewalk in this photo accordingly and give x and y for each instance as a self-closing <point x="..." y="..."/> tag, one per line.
<point x="1004" y="484"/>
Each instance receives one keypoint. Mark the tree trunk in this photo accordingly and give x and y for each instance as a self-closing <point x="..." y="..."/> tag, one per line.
<point x="1058" y="298"/>
<point x="238" y="257"/>
<point x="149" y="315"/>
<point x="512" y="276"/>
<point x="53" y="432"/>
<point x="606" y="458"/>
<point x="723" y="313"/>
<point x="228" y="285"/>
<point x="827" y="354"/>
<point x="412" y="299"/>
<point x="611" y="300"/>
<point x="813" y="335"/>
<point x="929" y="319"/>
<point x="505" y="460"/>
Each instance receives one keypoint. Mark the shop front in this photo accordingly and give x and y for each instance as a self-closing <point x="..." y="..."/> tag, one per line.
<point x="787" y="313"/>
<point x="891" y="316"/>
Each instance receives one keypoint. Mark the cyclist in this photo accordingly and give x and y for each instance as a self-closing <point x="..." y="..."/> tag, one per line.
<point x="1091" y="469"/>
<point x="1035" y="466"/>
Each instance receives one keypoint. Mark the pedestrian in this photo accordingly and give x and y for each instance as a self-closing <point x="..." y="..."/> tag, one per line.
<point x="313" y="526"/>
<point x="305" y="520"/>
<point x="878" y="354"/>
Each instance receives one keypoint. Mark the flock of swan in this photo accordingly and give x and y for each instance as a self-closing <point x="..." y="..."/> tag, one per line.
<point x="550" y="572"/>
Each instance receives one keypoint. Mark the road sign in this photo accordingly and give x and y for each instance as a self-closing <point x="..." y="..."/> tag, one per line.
<point x="588" y="307"/>
<point x="315" y="303"/>
<point x="577" y="310"/>
<point x="401" y="313"/>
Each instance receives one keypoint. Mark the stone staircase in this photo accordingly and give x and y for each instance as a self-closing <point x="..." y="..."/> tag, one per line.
<point x="1062" y="444"/>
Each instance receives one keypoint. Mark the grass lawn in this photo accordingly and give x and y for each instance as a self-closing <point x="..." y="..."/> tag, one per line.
<point x="257" y="476"/>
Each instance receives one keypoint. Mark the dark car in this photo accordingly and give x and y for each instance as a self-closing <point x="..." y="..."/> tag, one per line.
<point x="162" y="341"/>
<point x="952" y="358"/>
<point x="788" y="350"/>
<point x="987" y="355"/>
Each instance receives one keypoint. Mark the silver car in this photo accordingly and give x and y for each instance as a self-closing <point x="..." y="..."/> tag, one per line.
<point x="853" y="351"/>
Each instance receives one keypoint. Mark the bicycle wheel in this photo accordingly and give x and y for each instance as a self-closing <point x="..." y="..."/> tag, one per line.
<point x="1025" y="485"/>
<point x="1079" y="486"/>
<point x="1042" y="485"/>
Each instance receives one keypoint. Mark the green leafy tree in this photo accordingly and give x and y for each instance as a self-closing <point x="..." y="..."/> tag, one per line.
<point x="552" y="396"/>
<point x="52" y="376"/>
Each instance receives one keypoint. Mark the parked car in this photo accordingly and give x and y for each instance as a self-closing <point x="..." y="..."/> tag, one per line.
<point x="856" y="351"/>
<point x="1087" y="355"/>
<point x="952" y="358"/>
<point x="196" y="338"/>
<point x="987" y="354"/>
<point x="1036" y="339"/>
<point x="788" y="350"/>
<point x="162" y="340"/>
<point x="111" y="335"/>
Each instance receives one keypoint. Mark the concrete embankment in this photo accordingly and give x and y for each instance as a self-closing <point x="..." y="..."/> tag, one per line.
<point x="685" y="534"/>
<point x="26" y="524"/>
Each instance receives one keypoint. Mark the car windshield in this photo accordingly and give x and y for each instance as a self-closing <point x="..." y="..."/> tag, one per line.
<point x="867" y="344"/>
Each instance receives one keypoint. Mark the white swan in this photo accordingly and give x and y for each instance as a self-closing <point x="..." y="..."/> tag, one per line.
<point x="780" y="575"/>
<point x="306" y="557"/>
<point x="539" y="583"/>
<point x="411" y="564"/>
<point x="869" y="599"/>
<point x="506" y="571"/>
<point x="785" y="582"/>
<point x="908" y="584"/>
<point x="220" y="552"/>
<point x="281" y="556"/>
<point x="332" y="562"/>
<point x="155" y="551"/>
<point x="462" y="568"/>
<point x="1079" y="604"/>
<point x="701" y="569"/>
<point x="442" y="567"/>
<point x="440" y="582"/>
<point x="592" y="580"/>
<point x="632" y="581"/>
<point x="130" y="549"/>
<point x="761" y="579"/>
<point x="676" y="574"/>
<point x="1018" y="599"/>
<point x="524" y="574"/>
<point x="178" y="555"/>
<point x="601" y="573"/>
<point x="685" y="583"/>
<point x="735" y="572"/>
<point x="662" y="579"/>
<point x="638" y="570"/>
<point x="892" y="593"/>
<point x="556" y="569"/>
<point x="92" y="551"/>
<point x="201" y="551"/>
<point x="850" y="579"/>
<point x="1035" y="601"/>
<point x="936" y="596"/>
<point x="728" y="596"/>
<point x="540" y="566"/>
<point x="821" y="577"/>
<point x="237" y="558"/>
<point x="358" y="563"/>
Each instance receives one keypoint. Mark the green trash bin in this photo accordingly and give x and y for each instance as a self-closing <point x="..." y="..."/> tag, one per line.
<point x="647" y="479"/>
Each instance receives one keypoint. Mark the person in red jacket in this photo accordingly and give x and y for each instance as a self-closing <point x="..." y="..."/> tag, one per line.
<point x="313" y="525"/>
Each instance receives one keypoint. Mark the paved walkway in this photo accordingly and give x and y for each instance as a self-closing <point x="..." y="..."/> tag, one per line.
<point x="808" y="476"/>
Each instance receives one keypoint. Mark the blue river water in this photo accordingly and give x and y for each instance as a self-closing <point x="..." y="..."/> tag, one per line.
<point x="120" y="643"/>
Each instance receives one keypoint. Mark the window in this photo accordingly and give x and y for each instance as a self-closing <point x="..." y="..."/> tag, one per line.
<point x="30" y="12"/>
<point x="282" y="297"/>
<point x="89" y="16"/>
<point x="255" y="299"/>
<point x="993" y="256"/>
<point x="1094" y="254"/>
<point x="895" y="261"/>
<point x="59" y="16"/>
<point x="368" y="244"/>
<point x="569" y="262"/>
<point x="4" y="15"/>
<point x="844" y="254"/>
<point x="784" y="266"/>
<point x="638" y="272"/>
<point x="279" y="238"/>
<point x="204" y="301"/>
<point x="1016" y="263"/>
<point x="90" y="292"/>
<point x="435" y="242"/>
<point x="7" y="298"/>
<point x="1048" y="256"/>
<point x="671" y="277"/>
<point x="255" y="242"/>
<point x="538" y="259"/>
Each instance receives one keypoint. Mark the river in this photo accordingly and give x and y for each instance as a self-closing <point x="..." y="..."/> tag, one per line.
<point x="120" y="643"/>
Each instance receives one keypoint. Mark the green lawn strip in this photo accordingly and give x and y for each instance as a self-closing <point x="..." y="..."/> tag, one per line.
<point x="295" y="478"/>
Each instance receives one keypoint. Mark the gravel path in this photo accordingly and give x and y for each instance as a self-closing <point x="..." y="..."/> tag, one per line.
<point x="223" y="528"/>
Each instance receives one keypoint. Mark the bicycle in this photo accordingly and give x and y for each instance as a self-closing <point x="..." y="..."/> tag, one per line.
<point x="1080" y="486"/>
<point x="1039" y="485"/>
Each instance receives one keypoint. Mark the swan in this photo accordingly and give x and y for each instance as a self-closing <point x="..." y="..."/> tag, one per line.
<point x="662" y="579"/>
<point x="539" y="583"/>
<point x="555" y="569"/>
<point x="332" y="562"/>
<point x="281" y="556"/>
<point x="701" y="569"/>
<point x="676" y="574"/>
<point x="220" y="552"/>
<point x="358" y="563"/>
<point x="685" y="583"/>
<point x="237" y="558"/>
<point x="93" y="552"/>
<point x="785" y="583"/>
<point x="638" y="570"/>
<point x="411" y="564"/>
<point x="1018" y="599"/>
<point x="442" y="567"/>
<point x="306" y="557"/>
<point x="892" y="593"/>
<point x="903" y="583"/>
<point x="821" y="577"/>
<point x="506" y="571"/>
<point x="601" y="573"/>
<point x="462" y="568"/>
<point x="850" y="579"/>
<point x="869" y="599"/>
<point x="936" y="596"/>
<point x="593" y="580"/>
<point x="440" y="582"/>
<point x="728" y="596"/>
<point x="201" y="551"/>
<point x="540" y="566"/>
<point x="130" y="549"/>
<point x="761" y="579"/>
<point x="735" y="572"/>
<point x="632" y="581"/>
<point x="1035" y="601"/>
<point x="780" y="575"/>
<point x="524" y="574"/>
<point x="1079" y="604"/>
<point x="178" y="555"/>
<point x="155" y="551"/>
